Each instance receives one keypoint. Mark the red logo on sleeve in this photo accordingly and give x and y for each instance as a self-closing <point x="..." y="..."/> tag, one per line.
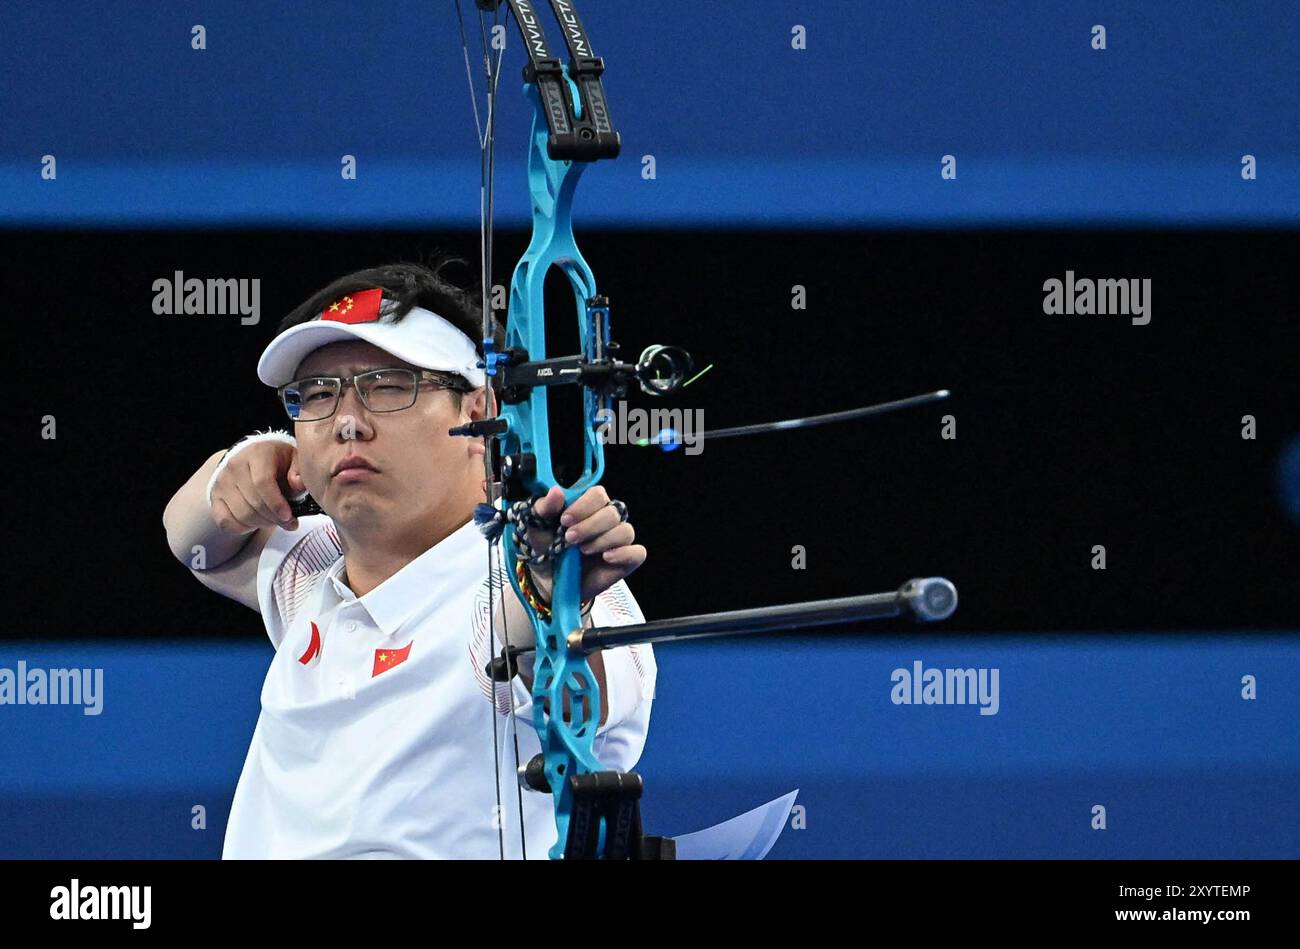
<point x="385" y="659"/>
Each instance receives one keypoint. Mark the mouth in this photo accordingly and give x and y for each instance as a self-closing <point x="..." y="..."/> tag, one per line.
<point x="354" y="468"/>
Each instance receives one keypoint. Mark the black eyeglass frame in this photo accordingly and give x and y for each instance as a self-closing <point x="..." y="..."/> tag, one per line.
<point x="442" y="380"/>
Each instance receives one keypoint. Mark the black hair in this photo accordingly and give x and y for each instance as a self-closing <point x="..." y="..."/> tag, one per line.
<point x="408" y="285"/>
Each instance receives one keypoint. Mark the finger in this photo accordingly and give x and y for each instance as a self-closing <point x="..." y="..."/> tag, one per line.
<point x="242" y="508"/>
<point x="601" y="576"/>
<point x="626" y="558"/>
<point x="257" y="497"/>
<point x="605" y="519"/>
<point x="266" y="486"/>
<point x="546" y="507"/>
<point x="245" y="506"/>
<point x="550" y="504"/>
<point x="620" y="535"/>
<point x="591" y="501"/>
<point x="224" y="518"/>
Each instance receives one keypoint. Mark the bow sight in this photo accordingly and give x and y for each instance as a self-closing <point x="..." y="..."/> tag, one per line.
<point x="659" y="371"/>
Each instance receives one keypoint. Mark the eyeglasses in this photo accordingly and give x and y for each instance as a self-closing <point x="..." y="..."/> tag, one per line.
<point x="315" y="398"/>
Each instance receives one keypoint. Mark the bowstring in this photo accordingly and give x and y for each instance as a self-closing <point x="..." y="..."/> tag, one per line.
<point x="486" y="135"/>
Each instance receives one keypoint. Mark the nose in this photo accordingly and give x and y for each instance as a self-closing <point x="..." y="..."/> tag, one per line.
<point x="350" y="389"/>
<point x="351" y="420"/>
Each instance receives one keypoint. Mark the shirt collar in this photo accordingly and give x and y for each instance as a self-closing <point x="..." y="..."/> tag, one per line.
<point x="432" y="574"/>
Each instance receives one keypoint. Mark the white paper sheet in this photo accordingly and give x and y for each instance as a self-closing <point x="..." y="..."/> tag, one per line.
<point x="748" y="836"/>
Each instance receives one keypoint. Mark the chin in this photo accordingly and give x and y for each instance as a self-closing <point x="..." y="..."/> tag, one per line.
<point x="353" y="503"/>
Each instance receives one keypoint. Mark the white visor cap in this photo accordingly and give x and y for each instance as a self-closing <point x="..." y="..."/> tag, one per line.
<point x="422" y="338"/>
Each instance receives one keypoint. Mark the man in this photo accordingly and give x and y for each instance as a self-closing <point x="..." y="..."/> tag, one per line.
<point x="380" y="732"/>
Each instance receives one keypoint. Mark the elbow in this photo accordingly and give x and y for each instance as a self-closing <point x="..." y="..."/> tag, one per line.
<point x="170" y="528"/>
<point x="174" y="542"/>
<point x="174" y="529"/>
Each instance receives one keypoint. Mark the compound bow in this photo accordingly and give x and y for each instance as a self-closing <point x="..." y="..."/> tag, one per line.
<point x="596" y="810"/>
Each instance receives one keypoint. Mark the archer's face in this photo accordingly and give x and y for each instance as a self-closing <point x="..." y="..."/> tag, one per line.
<point x="417" y="468"/>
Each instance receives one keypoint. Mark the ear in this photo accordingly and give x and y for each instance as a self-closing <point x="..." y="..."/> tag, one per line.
<point x="473" y="404"/>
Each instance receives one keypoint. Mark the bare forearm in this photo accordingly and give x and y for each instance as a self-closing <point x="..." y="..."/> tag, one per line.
<point x="188" y="521"/>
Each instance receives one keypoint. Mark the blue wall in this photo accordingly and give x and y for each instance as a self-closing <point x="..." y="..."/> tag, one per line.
<point x="745" y="130"/>
<point x="1153" y="728"/>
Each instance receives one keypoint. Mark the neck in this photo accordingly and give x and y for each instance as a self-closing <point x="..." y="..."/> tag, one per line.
<point x="371" y="556"/>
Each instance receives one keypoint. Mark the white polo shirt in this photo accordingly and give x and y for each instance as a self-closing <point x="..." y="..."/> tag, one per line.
<point x="375" y="737"/>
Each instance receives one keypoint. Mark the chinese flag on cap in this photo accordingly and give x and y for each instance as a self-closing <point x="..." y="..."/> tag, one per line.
<point x="360" y="307"/>
<point x="385" y="659"/>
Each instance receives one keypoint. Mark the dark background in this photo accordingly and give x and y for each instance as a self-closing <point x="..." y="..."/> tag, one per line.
<point x="1072" y="430"/>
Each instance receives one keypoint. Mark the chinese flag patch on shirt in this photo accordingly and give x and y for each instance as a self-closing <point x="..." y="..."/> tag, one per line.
<point x="385" y="659"/>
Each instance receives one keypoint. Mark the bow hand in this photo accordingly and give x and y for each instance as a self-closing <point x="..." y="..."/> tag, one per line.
<point x="595" y="527"/>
